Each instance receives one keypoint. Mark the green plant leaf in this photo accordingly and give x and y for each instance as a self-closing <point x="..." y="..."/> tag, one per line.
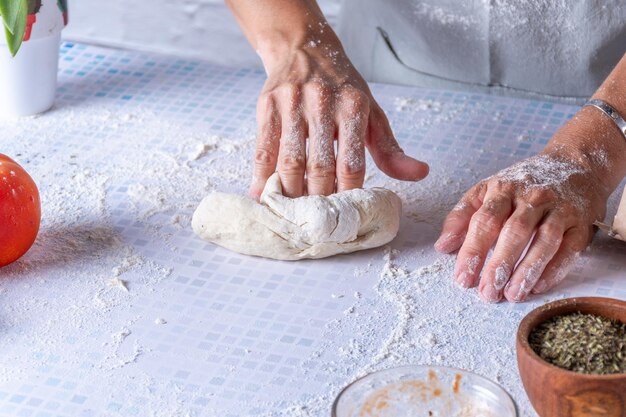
<point x="13" y="13"/>
<point x="14" y="40"/>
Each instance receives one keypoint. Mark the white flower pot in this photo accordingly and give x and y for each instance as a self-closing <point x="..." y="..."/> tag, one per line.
<point x="28" y="81"/>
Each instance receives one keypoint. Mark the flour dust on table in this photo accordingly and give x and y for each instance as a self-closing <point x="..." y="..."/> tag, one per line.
<point x="121" y="310"/>
<point x="298" y="228"/>
<point x="84" y="281"/>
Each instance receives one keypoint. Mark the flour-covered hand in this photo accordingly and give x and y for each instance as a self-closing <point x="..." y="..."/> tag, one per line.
<point x="313" y="97"/>
<point x="539" y="213"/>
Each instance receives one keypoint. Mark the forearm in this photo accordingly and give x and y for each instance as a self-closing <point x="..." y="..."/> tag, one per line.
<point x="594" y="137"/>
<point x="275" y="27"/>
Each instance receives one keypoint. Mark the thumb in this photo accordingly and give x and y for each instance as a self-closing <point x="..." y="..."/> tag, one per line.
<point x="387" y="153"/>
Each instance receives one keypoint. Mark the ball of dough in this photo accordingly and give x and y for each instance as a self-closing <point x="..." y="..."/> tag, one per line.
<point x="299" y="228"/>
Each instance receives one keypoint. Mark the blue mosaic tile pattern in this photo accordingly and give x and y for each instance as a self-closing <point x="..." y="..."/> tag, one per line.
<point x="220" y="305"/>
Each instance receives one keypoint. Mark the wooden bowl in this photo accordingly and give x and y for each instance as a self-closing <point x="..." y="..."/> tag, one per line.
<point x="556" y="392"/>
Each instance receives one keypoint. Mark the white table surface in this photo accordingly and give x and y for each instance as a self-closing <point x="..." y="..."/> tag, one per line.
<point x="132" y="145"/>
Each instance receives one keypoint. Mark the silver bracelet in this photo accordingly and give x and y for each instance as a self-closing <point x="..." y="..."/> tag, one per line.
<point x="607" y="109"/>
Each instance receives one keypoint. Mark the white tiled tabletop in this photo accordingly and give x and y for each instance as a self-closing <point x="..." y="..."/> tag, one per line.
<point x="242" y="336"/>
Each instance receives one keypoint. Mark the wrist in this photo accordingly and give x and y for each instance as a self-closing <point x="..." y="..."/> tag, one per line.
<point x="316" y="39"/>
<point x="274" y="43"/>
<point x="592" y="140"/>
<point x="280" y="52"/>
<point x="279" y="27"/>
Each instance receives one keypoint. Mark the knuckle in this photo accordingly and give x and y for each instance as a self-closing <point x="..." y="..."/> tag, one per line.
<point x="502" y="186"/>
<point x="349" y="171"/>
<point x="498" y="182"/>
<point x="291" y="165"/>
<point x="542" y="196"/>
<point x="320" y="168"/>
<point x="521" y="224"/>
<point x="266" y="101"/>
<point x="352" y="163"/>
<point x="515" y="232"/>
<point x="462" y="205"/>
<point x="478" y="190"/>
<point x="319" y="91"/>
<point x="454" y="216"/>
<point x="485" y="221"/>
<point x="577" y="240"/>
<point x="264" y="157"/>
<point x="550" y="234"/>
<point x="475" y="193"/>
<point x="493" y="208"/>
<point x="490" y="208"/>
<point x="472" y="253"/>
<point x="354" y="100"/>
<point x="292" y="93"/>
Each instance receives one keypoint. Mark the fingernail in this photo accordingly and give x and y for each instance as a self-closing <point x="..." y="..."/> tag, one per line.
<point x="439" y="244"/>
<point x="502" y="275"/>
<point x="521" y="294"/>
<point x="514" y="292"/>
<point x="464" y="280"/>
<point x="532" y="274"/>
<point x="444" y="243"/>
<point x="490" y="294"/>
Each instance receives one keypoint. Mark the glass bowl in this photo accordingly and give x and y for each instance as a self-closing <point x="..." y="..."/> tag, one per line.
<point x="423" y="391"/>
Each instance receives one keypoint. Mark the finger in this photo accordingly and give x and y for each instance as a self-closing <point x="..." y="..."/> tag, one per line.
<point x="456" y="223"/>
<point x="516" y="233"/>
<point x="268" y="137"/>
<point x="320" y="168"/>
<point x="482" y="232"/>
<point x="562" y="263"/>
<point x="542" y="249"/>
<point x="292" y="152"/>
<point x="353" y="116"/>
<point x="387" y="153"/>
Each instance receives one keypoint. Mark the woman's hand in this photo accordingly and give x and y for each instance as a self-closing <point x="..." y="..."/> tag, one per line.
<point x="547" y="200"/>
<point x="312" y="97"/>
<point x="539" y="213"/>
<point x="315" y="93"/>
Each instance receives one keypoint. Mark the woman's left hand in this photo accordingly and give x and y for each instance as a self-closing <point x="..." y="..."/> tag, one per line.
<point x="548" y="201"/>
<point x="539" y="213"/>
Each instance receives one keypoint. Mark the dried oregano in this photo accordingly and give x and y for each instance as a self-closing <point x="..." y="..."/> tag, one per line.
<point x="583" y="343"/>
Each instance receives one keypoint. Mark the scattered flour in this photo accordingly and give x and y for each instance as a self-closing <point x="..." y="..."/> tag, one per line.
<point x="502" y="275"/>
<point x="86" y="242"/>
<point x="119" y="283"/>
<point x="472" y="264"/>
<point x="96" y="275"/>
<point x="419" y="332"/>
<point x="410" y="104"/>
<point x="544" y="171"/>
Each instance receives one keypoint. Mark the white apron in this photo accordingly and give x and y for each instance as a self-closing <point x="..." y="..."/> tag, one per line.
<point x="550" y="49"/>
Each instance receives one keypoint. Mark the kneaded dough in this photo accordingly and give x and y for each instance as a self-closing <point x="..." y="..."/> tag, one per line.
<point x="619" y="224"/>
<point x="298" y="228"/>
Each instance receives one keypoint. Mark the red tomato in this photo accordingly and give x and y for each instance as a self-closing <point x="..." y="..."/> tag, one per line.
<point x="20" y="211"/>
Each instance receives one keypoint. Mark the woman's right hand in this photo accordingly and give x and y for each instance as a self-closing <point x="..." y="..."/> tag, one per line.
<point x="313" y="96"/>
